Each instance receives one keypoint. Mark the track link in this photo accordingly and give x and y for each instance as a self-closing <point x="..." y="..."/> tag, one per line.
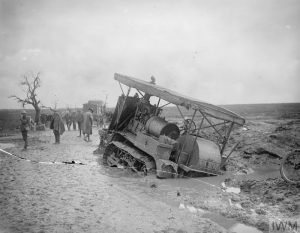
<point x="118" y="153"/>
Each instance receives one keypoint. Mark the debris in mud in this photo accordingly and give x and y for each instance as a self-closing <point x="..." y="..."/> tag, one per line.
<point x="260" y="211"/>
<point x="235" y="198"/>
<point x="246" y="204"/>
<point x="273" y="136"/>
<point x="247" y="155"/>
<point x="237" y="166"/>
<point x="153" y="185"/>
<point x="276" y="152"/>
<point x="181" y="206"/>
<point x="235" y="205"/>
<point x="282" y="128"/>
<point x="265" y="143"/>
<point x="231" y="188"/>
<point x="289" y="139"/>
<point x="269" y="151"/>
<point x="273" y="192"/>
<point x="190" y="208"/>
<point x="262" y="225"/>
<point x="73" y="162"/>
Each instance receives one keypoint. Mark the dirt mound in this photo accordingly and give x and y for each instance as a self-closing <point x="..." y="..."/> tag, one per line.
<point x="263" y="143"/>
<point x="274" y="192"/>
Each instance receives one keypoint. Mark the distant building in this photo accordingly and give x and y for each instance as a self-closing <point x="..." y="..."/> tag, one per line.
<point x="96" y="105"/>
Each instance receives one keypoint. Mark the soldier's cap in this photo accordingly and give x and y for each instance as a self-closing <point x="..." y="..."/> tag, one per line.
<point x="91" y="109"/>
<point x="23" y="112"/>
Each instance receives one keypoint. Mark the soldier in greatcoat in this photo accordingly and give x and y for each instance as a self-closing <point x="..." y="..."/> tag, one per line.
<point x="79" y="119"/>
<point x="87" y="124"/>
<point x="57" y="125"/>
<point x="24" y="127"/>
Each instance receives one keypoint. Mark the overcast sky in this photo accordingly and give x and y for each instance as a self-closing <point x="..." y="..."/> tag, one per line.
<point x="222" y="52"/>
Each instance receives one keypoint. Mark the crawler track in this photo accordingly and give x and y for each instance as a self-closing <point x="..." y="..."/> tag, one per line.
<point x="118" y="153"/>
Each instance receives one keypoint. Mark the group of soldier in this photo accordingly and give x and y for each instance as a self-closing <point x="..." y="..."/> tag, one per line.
<point x="84" y="121"/>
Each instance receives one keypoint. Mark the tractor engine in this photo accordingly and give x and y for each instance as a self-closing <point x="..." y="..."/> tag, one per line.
<point x="147" y="119"/>
<point x="157" y="126"/>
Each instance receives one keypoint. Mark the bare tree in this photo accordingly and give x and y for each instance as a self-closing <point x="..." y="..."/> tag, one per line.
<point x="31" y="95"/>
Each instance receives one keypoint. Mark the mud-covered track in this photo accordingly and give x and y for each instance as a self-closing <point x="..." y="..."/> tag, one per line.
<point x="118" y="153"/>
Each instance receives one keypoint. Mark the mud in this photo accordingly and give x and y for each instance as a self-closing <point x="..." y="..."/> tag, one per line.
<point x="57" y="197"/>
<point x="255" y="169"/>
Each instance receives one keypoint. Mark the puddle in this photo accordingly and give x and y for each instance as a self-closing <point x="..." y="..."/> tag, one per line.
<point x="241" y="228"/>
<point x="221" y="220"/>
<point x="174" y="188"/>
<point x="259" y="173"/>
<point x="230" y="224"/>
<point x="270" y="171"/>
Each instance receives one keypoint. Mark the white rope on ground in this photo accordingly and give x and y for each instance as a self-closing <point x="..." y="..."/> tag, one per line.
<point x="41" y="162"/>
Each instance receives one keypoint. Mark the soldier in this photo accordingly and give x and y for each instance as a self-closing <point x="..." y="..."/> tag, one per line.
<point x="101" y="120"/>
<point x="25" y="124"/>
<point x="67" y="118"/>
<point x="73" y="119"/>
<point x="87" y="124"/>
<point x="79" y="119"/>
<point x="57" y="125"/>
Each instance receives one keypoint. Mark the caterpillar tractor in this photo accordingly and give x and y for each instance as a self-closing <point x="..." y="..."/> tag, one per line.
<point x="140" y="138"/>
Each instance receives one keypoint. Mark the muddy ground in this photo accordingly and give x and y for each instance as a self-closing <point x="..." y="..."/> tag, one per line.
<point x="59" y="197"/>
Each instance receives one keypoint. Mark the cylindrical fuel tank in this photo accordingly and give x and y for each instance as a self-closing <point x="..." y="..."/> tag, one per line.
<point x="158" y="126"/>
<point x="201" y="151"/>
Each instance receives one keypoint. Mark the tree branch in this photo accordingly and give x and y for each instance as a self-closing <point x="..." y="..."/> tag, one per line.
<point x="36" y="82"/>
<point x="23" y="101"/>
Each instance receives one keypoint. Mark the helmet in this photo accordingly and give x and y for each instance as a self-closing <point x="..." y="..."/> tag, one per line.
<point x="23" y="112"/>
